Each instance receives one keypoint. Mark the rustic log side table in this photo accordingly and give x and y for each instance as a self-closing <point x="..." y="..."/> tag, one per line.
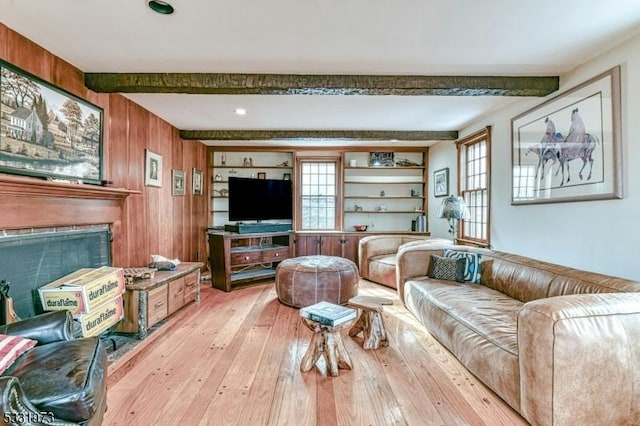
<point x="327" y="343"/>
<point x="370" y="321"/>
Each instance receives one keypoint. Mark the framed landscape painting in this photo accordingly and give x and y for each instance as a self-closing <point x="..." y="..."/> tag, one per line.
<point x="47" y="132"/>
<point x="569" y="148"/>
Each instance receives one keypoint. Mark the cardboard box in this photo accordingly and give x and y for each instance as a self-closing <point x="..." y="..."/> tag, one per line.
<point x="101" y="317"/>
<point x="83" y="290"/>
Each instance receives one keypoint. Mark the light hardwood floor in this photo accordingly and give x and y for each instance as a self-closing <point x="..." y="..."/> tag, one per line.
<point x="233" y="359"/>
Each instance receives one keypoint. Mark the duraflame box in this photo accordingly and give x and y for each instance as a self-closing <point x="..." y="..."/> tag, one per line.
<point x="83" y="290"/>
<point x="101" y="317"/>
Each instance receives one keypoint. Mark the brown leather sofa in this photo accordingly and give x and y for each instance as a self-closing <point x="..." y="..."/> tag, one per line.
<point x="377" y="256"/>
<point x="61" y="380"/>
<point x="560" y="345"/>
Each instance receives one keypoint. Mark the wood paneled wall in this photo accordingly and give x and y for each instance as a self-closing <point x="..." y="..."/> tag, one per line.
<point x="151" y="221"/>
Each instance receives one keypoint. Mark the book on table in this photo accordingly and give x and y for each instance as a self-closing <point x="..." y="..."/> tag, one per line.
<point x="328" y="313"/>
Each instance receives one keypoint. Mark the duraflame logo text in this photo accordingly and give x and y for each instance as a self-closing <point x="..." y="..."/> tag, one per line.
<point x="105" y="288"/>
<point x="104" y="316"/>
<point x="64" y="303"/>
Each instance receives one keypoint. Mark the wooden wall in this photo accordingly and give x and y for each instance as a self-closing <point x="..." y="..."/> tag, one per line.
<point x="151" y="220"/>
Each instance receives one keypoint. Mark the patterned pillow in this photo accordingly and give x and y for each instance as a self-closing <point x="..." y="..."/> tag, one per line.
<point x="11" y="347"/>
<point x="472" y="269"/>
<point x="441" y="268"/>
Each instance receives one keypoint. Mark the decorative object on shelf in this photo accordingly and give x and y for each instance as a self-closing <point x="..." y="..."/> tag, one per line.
<point x="262" y="175"/>
<point x="420" y="224"/>
<point x="153" y="169"/>
<point x="405" y="162"/>
<point x="197" y="182"/>
<point x="286" y="176"/>
<point x="222" y="192"/>
<point x="283" y="164"/>
<point x="223" y="159"/>
<point x="253" y="175"/>
<point x="353" y="163"/>
<point x="415" y="193"/>
<point x="360" y="228"/>
<point x="177" y="177"/>
<point x="382" y="208"/>
<point x="357" y="208"/>
<point x="245" y="162"/>
<point x="218" y="177"/>
<point x="232" y="172"/>
<point x="381" y="159"/>
<point x="68" y="147"/>
<point x="382" y="194"/>
<point x="441" y="182"/>
<point x="453" y="208"/>
<point x="589" y="129"/>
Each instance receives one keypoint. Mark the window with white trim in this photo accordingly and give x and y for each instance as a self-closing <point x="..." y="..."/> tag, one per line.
<point x="318" y="194"/>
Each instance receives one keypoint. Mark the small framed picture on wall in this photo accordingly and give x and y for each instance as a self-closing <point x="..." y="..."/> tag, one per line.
<point x="177" y="177"/>
<point x="441" y="182"/>
<point x="197" y="182"/>
<point x="153" y="169"/>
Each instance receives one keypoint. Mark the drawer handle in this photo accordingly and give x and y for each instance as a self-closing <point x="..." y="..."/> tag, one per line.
<point x="178" y="293"/>
<point x="157" y="305"/>
<point x="191" y="285"/>
<point x="246" y="258"/>
<point x="277" y="254"/>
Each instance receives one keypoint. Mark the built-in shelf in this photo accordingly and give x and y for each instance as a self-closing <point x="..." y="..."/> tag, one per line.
<point x="384" y="168"/>
<point x="378" y="197"/>
<point x="383" y="212"/>
<point x="253" y="167"/>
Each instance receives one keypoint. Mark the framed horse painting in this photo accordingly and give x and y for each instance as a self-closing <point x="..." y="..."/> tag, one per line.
<point x="569" y="147"/>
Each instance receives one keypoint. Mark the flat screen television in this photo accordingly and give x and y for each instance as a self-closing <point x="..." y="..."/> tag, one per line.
<point x="260" y="199"/>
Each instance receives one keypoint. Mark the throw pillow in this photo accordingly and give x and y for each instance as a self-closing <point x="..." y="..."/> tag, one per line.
<point x="11" y="347"/>
<point x="442" y="268"/>
<point x="472" y="271"/>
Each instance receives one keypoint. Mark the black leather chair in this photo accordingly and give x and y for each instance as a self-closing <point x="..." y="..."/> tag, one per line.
<point x="61" y="378"/>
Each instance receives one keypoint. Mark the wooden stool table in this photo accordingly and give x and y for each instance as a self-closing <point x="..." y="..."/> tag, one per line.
<point x="370" y="321"/>
<point x="326" y="342"/>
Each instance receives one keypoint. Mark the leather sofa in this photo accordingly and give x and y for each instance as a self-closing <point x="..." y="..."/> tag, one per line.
<point x="377" y="256"/>
<point x="559" y="345"/>
<point x="61" y="378"/>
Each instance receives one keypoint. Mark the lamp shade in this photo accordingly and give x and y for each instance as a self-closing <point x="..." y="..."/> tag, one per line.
<point x="453" y="207"/>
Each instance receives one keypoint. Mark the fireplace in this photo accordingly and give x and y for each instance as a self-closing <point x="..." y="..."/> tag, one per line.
<point x="31" y="258"/>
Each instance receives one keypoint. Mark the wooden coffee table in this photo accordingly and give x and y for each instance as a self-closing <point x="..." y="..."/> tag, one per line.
<point x="326" y="343"/>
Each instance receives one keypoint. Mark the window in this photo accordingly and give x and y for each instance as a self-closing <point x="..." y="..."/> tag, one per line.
<point x="318" y="194"/>
<point x="474" y="168"/>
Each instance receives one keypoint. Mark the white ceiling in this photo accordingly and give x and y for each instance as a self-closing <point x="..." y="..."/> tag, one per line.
<point x="406" y="37"/>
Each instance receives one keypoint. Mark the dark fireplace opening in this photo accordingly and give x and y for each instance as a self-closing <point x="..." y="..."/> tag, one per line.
<point x="30" y="260"/>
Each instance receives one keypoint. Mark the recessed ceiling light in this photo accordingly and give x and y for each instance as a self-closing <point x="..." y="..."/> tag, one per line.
<point x="240" y="111"/>
<point x="161" y="7"/>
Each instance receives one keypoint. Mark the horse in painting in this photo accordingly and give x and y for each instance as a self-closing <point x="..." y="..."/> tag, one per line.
<point x="547" y="149"/>
<point x="577" y="144"/>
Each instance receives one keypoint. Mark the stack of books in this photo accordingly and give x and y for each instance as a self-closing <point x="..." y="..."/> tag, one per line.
<point x="328" y="314"/>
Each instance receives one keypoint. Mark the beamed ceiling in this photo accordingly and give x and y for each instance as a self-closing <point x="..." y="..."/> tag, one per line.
<point x="320" y="85"/>
<point x="321" y="73"/>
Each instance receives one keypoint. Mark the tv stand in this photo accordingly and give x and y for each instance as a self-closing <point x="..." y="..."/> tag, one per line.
<point x="237" y="259"/>
<point x="255" y="228"/>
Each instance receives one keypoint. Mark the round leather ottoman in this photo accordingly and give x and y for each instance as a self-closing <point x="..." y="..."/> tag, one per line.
<point x="303" y="281"/>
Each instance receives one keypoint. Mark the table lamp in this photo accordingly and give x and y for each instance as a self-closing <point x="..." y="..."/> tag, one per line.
<point x="453" y="208"/>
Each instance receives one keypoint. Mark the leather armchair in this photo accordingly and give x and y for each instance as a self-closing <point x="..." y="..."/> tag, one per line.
<point x="61" y="380"/>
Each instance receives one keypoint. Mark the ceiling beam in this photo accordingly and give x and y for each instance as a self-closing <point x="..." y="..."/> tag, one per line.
<point x="233" y="135"/>
<point x="318" y="84"/>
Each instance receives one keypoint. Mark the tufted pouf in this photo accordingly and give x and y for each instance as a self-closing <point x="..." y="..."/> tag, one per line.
<point x="303" y="281"/>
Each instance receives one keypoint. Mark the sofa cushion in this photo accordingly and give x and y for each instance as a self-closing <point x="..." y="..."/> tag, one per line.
<point x="66" y="378"/>
<point x="472" y="266"/>
<point x="477" y="324"/>
<point x="11" y="347"/>
<point x="442" y="268"/>
<point x="382" y="269"/>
